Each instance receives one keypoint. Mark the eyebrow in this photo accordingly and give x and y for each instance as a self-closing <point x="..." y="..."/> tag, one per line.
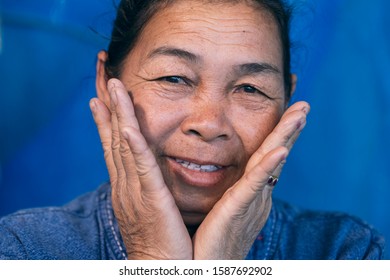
<point x="180" y="53"/>
<point x="245" y="69"/>
<point x="255" y="68"/>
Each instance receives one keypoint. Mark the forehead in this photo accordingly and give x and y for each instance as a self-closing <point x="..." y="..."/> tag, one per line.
<point x="216" y="28"/>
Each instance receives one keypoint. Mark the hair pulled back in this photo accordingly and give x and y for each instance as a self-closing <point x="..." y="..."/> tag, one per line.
<point x="133" y="15"/>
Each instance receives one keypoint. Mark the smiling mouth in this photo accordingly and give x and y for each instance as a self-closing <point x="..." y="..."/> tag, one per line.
<point x="198" y="167"/>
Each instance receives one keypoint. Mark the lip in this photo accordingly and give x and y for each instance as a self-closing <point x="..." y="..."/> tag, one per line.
<point x="197" y="178"/>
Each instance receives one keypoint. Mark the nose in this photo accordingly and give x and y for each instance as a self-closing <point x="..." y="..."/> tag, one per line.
<point x="207" y="120"/>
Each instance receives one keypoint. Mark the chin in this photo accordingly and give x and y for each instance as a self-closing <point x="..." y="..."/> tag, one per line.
<point x="193" y="220"/>
<point x="195" y="207"/>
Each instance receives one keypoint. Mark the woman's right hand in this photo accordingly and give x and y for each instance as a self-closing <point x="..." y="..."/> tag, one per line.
<point x="149" y="220"/>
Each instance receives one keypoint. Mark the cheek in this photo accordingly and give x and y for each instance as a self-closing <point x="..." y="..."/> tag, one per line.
<point x="254" y="128"/>
<point x="158" y="118"/>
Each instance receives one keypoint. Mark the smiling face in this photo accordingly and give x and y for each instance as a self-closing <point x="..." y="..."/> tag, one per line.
<point x="206" y="80"/>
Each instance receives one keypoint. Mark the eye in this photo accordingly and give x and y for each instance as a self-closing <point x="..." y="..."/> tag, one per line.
<point x="249" y="89"/>
<point x="173" y="79"/>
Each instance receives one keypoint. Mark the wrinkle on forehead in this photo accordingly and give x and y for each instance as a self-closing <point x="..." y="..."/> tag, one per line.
<point x="181" y="19"/>
<point x="251" y="4"/>
<point x="182" y="15"/>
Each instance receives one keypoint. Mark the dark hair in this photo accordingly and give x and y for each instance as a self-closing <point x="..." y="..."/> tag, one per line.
<point x="133" y="15"/>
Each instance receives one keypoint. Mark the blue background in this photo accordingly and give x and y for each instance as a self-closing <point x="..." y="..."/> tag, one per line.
<point x="50" y="150"/>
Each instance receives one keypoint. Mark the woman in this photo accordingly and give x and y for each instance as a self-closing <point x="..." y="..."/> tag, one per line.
<point x="192" y="114"/>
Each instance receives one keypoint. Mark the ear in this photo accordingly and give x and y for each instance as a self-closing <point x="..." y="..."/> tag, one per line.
<point x="294" y="80"/>
<point x="101" y="78"/>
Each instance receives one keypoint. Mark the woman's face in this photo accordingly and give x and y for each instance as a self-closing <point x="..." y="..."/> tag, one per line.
<point x="207" y="86"/>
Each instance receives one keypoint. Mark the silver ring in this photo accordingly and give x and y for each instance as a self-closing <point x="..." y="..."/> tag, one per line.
<point x="272" y="181"/>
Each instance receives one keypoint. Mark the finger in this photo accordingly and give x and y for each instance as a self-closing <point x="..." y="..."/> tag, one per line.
<point x="148" y="171"/>
<point x="102" y="118"/>
<point x="122" y="104"/>
<point x="124" y="155"/>
<point x="255" y="180"/>
<point x="305" y="107"/>
<point x="278" y="171"/>
<point x="285" y="133"/>
<point x="116" y="144"/>
<point x="288" y="128"/>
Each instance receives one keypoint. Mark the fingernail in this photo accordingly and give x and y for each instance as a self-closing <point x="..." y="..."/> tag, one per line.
<point x="111" y="85"/>
<point x="301" y="124"/>
<point x="284" y="158"/>
<point x="93" y="106"/>
<point x="305" y="110"/>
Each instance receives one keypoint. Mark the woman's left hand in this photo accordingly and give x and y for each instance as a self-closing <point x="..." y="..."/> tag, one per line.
<point x="231" y="227"/>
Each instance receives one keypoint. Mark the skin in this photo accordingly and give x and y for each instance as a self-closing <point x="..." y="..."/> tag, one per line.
<point x="203" y="84"/>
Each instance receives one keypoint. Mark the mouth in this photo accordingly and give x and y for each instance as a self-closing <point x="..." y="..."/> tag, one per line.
<point x="198" y="167"/>
<point x="196" y="173"/>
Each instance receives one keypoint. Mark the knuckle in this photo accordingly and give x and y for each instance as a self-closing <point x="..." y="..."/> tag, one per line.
<point x="294" y="116"/>
<point x="115" y="145"/>
<point x="107" y="154"/>
<point x="115" y="134"/>
<point x="254" y="184"/>
<point x="115" y="142"/>
<point x="106" y="144"/>
<point x="144" y="171"/>
<point x="290" y="126"/>
<point x="124" y="150"/>
<point x="120" y="177"/>
<point x="141" y="151"/>
<point x="285" y="138"/>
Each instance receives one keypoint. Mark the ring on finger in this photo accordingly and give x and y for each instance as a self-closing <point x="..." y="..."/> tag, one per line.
<point x="272" y="181"/>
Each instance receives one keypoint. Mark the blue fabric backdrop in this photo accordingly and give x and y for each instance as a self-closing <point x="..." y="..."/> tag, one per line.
<point x="50" y="151"/>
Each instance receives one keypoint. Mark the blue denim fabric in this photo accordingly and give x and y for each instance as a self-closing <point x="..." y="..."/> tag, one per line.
<point x="86" y="229"/>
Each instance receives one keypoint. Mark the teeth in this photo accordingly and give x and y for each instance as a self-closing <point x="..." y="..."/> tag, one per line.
<point x="202" y="168"/>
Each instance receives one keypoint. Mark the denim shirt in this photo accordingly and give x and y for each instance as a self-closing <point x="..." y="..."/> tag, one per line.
<point x="86" y="228"/>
